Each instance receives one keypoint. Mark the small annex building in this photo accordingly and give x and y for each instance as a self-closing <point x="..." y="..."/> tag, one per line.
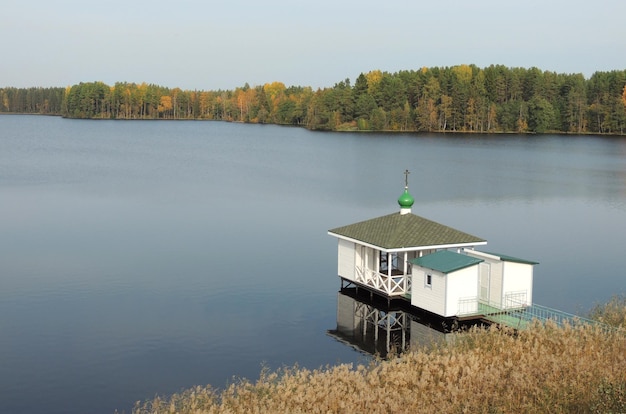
<point x="504" y="281"/>
<point x="435" y="267"/>
<point x="443" y="280"/>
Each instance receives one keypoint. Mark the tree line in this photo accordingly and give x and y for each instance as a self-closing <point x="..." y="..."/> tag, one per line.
<point x="47" y="101"/>
<point x="461" y="98"/>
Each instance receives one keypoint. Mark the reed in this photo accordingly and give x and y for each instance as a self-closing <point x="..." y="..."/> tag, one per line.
<point x="544" y="369"/>
<point x="612" y="313"/>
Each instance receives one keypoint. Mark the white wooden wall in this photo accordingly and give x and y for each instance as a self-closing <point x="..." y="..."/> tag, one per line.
<point x="345" y="259"/>
<point x="507" y="277"/>
<point x="518" y="277"/>
<point x="431" y="298"/>
<point x="460" y="284"/>
<point x="446" y="290"/>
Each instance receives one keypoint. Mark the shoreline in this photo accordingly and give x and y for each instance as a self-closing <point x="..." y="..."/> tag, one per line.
<point x="357" y="131"/>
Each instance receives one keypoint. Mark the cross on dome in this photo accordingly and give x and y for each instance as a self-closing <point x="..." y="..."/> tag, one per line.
<point x="406" y="200"/>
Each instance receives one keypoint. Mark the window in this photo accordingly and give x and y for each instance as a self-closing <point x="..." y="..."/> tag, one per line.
<point x="382" y="260"/>
<point x="429" y="280"/>
<point x="390" y="263"/>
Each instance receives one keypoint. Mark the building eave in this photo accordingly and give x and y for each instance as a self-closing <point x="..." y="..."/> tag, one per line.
<point x="446" y="262"/>
<point x="503" y="257"/>
<point x="404" y="232"/>
<point x="408" y="248"/>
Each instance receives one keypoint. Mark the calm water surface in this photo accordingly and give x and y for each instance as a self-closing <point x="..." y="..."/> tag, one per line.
<point x="146" y="257"/>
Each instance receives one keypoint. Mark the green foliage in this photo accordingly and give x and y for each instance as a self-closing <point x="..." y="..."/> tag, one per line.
<point x="541" y="115"/>
<point x="461" y="98"/>
<point x="46" y="101"/>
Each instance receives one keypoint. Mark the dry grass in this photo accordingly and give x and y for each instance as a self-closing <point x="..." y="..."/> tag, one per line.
<point x="544" y="369"/>
<point x="613" y="313"/>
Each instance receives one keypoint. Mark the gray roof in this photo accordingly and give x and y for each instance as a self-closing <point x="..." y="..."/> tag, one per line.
<point x="398" y="231"/>
<point x="445" y="261"/>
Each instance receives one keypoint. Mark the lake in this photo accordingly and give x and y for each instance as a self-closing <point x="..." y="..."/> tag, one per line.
<point x="144" y="257"/>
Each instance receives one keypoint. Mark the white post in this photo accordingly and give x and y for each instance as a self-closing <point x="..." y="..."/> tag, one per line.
<point x="404" y="328"/>
<point x="376" y="327"/>
<point x="406" y="268"/>
<point x="389" y="266"/>
<point x="388" y="326"/>
<point x="377" y="263"/>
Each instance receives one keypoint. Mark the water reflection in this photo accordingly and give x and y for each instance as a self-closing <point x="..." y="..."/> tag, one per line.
<point x="369" y="325"/>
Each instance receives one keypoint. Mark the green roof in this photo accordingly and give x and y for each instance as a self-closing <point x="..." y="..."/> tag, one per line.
<point x="445" y="261"/>
<point x="398" y="231"/>
<point x="506" y="258"/>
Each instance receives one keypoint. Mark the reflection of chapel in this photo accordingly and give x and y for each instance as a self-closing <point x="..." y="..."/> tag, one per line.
<point x="435" y="267"/>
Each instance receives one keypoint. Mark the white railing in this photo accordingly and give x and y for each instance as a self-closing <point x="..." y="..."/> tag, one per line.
<point x="516" y="300"/>
<point x="474" y="306"/>
<point x="468" y="306"/>
<point x="390" y="285"/>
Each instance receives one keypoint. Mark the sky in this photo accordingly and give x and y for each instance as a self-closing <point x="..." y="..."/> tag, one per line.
<point x="213" y="45"/>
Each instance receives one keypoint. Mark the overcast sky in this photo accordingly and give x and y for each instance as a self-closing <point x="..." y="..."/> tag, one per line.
<point x="210" y="45"/>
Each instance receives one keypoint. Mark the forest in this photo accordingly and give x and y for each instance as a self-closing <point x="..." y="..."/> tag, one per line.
<point x="463" y="98"/>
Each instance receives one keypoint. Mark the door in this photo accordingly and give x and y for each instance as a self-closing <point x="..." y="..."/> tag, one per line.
<point x="484" y="276"/>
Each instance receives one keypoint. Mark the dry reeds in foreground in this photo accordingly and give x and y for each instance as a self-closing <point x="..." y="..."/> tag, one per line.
<point x="544" y="369"/>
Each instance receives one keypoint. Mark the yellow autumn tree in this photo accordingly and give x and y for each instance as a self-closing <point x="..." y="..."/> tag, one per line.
<point x="275" y="93"/>
<point x="5" y="100"/>
<point x="140" y="94"/>
<point x="373" y="79"/>
<point x="427" y="114"/>
<point x="445" y="112"/>
<point x="274" y="89"/>
<point x="242" y="103"/>
<point x="463" y="73"/>
<point x="165" y="106"/>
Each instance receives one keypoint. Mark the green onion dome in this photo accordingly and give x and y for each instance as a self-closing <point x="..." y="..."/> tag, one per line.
<point x="406" y="200"/>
